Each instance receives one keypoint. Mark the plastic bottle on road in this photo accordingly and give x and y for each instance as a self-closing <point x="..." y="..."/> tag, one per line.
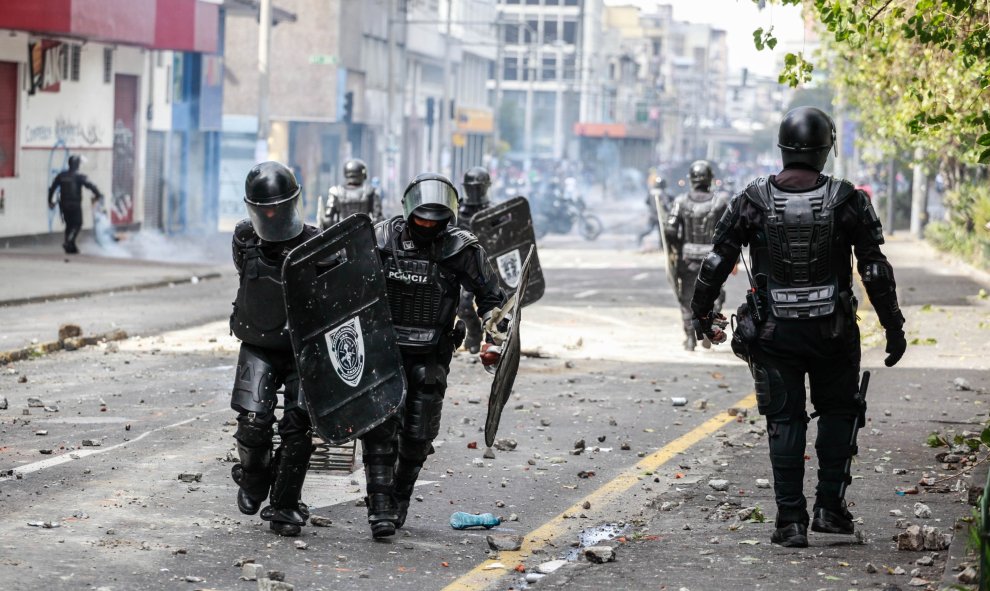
<point x="462" y="520"/>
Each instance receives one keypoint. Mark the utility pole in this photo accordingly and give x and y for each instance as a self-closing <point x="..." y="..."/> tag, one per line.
<point x="499" y="40"/>
<point x="390" y="135"/>
<point x="445" y="103"/>
<point x="264" y="55"/>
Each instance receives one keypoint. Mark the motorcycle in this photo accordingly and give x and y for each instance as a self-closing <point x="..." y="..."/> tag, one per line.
<point x="566" y="211"/>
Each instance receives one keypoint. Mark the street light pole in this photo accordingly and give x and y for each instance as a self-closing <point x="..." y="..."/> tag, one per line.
<point x="445" y="104"/>
<point x="390" y="135"/>
<point x="264" y="55"/>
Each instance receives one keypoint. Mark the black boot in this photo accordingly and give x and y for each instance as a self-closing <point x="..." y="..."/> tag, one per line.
<point x="284" y="515"/>
<point x="254" y="477"/>
<point x="690" y="343"/>
<point x="790" y="535"/>
<point x="837" y="521"/>
<point x="379" y="468"/>
<point x="406" y="473"/>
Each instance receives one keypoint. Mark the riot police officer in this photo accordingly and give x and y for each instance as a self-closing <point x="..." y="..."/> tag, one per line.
<point x="657" y="195"/>
<point x="689" y="227"/>
<point x="802" y="227"/>
<point x="356" y="195"/>
<point x="266" y="363"/>
<point x="477" y="181"/>
<point x="427" y="261"/>
<point x="70" y="184"/>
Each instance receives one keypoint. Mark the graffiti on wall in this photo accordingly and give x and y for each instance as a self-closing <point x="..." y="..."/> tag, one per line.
<point x="64" y="130"/>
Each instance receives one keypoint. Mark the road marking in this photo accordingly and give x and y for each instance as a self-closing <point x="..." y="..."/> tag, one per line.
<point x="640" y="276"/>
<point x="483" y="575"/>
<point x="588" y="314"/>
<point x="82" y="453"/>
<point x="585" y="294"/>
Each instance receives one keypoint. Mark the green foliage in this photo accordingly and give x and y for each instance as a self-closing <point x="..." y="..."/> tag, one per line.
<point x="966" y="233"/>
<point x="937" y="440"/>
<point x="918" y="72"/>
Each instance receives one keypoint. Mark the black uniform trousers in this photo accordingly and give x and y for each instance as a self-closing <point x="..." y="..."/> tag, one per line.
<point x="395" y="451"/>
<point x="829" y="355"/>
<point x="73" y="217"/>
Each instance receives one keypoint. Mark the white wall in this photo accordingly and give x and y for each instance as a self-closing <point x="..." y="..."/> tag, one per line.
<point x="77" y="119"/>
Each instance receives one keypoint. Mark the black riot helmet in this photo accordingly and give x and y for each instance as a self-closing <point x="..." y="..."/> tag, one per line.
<point x="806" y="136"/>
<point x="660" y="183"/>
<point x="429" y="203"/>
<point x="355" y="171"/>
<point x="476" y="183"/>
<point x="700" y="175"/>
<point x="272" y="196"/>
<point x="74" y="162"/>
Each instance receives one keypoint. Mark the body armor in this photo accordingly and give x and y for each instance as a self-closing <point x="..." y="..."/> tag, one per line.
<point x="798" y="252"/>
<point x="699" y="212"/>
<point x="259" y="310"/>
<point x="466" y="212"/>
<point x="422" y="292"/>
<point x="347" y="201"/>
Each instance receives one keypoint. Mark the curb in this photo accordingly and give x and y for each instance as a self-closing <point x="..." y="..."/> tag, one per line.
<point x="69" y="344"/>
<point x="123" y="288"/>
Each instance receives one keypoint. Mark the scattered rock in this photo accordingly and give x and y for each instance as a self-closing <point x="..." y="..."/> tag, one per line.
<point x="896" y="513"/>
<point x="935" y="539"/>
<point x="719" y="485"/>
<point x="35" y="402"/>
<point x="192" y="579"/>
<point x="45" y="524"/>
<point x="586" y="473"/>
<point x="969" y="576"/>
<point x="624" y="446"/>
<point x="478" y="462"/>
<point x="45" y="452"/>
<point x="544" y="422"/>
<point x="251" y="571"/>
<point x="267" y="584"/>
<point x="738" y="412"/>
<point x="320" y="521"/>
<point x="489" y="454"/>
<point x="22" y="379"/>
<point x="3" y="403"/>
<point x="599" y="554"/>
<point x="701" y="404"/>
<point x="550" y="567"/>
<point x="917" y="582"/>
<point x="505" y="444"/>
<point x="504" y="542"/>
<point x="911" y="539"/>
<point x="973" y="495"/>
<point x="922" y="511"/>
<point x="533" y="577"/>
<point x="579" y="444"/>
<point x="962" y="384"/>
<point x="925" y="561"/>
<point x="870" y="568"/>
<point x="762" y="483"/>
<point x="41" y="432"/>
<point x="69" y="331"/>
<point x="300" y="545"/>
<point x="91" y="443"/>
<point x="191" y="477"/>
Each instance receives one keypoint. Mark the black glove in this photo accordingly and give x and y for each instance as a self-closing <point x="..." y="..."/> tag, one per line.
<point x="710" y="326"/>
<point x="896" y="345"/>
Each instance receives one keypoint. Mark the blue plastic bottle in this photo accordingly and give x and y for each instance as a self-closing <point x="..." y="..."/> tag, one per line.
<point x="462" y="520"/>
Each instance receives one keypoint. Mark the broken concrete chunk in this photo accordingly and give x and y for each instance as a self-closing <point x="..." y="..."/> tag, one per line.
<point x="599" y="554"/>
<point x="961" y="384"/>
<point x="35" y="402"/>
<point x="91" y="443"/>
<point x="922" y="511"/>
<point x="911" y="539"/>
<point x="3" y="403"/>
<point x="320" y="521"/>
<point x="251" y="571"/>
<point x="762" y="483"/>
<point x="504" y="542"/>
<point x="505" y="444"/>
<point x="191" y="476"/>
<point x="935" y="539"/>
<point x="550" y="567"/>
<point x="489" y="454"/>
<point x="719" y="485"/>
<point x="273" y="585"/>
<point x="969" y="576"/>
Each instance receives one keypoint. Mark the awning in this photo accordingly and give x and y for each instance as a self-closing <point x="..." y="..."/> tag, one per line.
<point x="614" y="131"/>
<point x="180" y="25"/>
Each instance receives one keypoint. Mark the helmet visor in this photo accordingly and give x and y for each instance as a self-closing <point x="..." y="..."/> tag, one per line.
<point x="431" y="200"/>
<point x="276" y="222"/>
<point x="475" y="193"/>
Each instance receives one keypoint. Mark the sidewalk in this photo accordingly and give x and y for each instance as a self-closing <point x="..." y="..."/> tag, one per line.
<point x="43" y="273"/>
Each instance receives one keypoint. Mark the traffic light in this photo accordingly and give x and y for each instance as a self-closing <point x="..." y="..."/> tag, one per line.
<point x="348" y="107"/>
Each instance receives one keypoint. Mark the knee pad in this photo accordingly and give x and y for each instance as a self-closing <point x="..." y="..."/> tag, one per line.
<point x="255" y="383"/>
<point x="832" y="444"/>
<point x="254" y="431"/>
<point x="771" y="393"/>
<point x="414" y="450"/>
<point x="422" y="420"/>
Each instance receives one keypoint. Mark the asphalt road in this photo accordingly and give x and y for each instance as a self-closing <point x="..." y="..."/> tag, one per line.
<point x="124" y="420"/>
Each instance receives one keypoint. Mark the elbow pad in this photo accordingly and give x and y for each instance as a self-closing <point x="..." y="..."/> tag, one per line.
<point x="878" y="279"/>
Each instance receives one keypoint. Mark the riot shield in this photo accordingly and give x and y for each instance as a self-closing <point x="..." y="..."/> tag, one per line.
<point x="505" y="231"/>
<point x="350" y="368"/>
<point x="669" y="258"/>
<point x="508" y="365"/>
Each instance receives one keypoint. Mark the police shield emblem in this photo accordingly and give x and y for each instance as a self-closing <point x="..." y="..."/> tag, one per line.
<point x="509" y="267"/>
<point x="505" y="231"/>
<point x="350" y="368"/>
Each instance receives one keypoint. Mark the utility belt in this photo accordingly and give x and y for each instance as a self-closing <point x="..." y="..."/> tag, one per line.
<point x="756" y="319"/>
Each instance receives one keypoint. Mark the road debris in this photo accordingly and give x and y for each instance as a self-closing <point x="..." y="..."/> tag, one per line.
<point x="504" y="542"/>
<point x="599" y="554"/>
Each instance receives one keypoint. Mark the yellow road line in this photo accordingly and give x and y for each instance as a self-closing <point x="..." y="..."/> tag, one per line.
<point x="481" y="576"/>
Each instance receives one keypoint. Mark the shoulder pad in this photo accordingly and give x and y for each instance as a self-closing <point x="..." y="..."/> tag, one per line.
<point x="334" y="191"/>
<point x="244" y="233"/>
<point x="457" y="240"/>
<point x="758" y="192"/>
<point x="837" y="191"/>
<point x="309" y="231"/>
<point x="384" y="232"/>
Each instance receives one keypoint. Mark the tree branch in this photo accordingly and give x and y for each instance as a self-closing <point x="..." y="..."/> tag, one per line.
<point x="881" y="9"/>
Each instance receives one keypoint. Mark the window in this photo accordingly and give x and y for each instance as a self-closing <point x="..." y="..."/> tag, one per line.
<point x="532" y="2"/>
<point x="8" y="117"/>
<point x="510" y="1"/>
<point x="570" y="32"/>
<point x="526" y="68"/>
<point x="551" y="2"/>
<point x="510" y="34"/>
<point x="510" y="68"/>
<point x="549" y="32"/>
<point x="75" y="59"/>
<point x="570" y="67"/>
<point x="570" y="2"/>
<point x="107" y="65"/>
<point x="549" y="71"/>
<point x="532" y="27"/>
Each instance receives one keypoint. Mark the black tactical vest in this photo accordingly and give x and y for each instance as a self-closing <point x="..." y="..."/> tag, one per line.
<point x="700" y="212"/>
<point x="259" y="311"/>
<point x="351" y="200"/>
<point x="422" y="292"/>
<point x="798" y="250"/>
